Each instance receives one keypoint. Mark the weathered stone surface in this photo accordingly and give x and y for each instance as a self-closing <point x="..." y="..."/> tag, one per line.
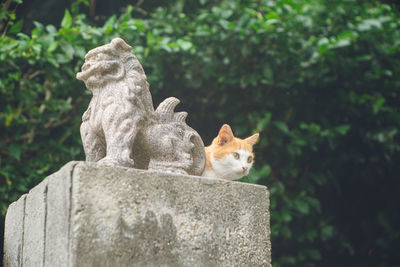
<point x="58" y="216"/>
<point x="121" y="127"/>
<point x="14" y="233"/>
<point x="35" y="225"/>
<point x="99" y="215"/>
<point x="127" y="217"/>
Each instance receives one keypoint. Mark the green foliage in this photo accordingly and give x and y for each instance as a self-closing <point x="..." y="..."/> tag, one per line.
<point x="319" y="79"/>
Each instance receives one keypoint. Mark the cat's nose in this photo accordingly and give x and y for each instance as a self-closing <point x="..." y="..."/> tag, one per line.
<point x="244" y="169"/>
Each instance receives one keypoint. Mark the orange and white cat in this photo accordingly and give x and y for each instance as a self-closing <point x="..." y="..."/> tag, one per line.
<point x="229" y="157"/>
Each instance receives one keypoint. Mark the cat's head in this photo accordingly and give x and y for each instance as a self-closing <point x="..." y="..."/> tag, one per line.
<point x="232" y="157"/>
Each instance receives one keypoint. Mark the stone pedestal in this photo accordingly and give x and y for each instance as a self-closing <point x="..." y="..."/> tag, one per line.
<point x="89" y="214"/>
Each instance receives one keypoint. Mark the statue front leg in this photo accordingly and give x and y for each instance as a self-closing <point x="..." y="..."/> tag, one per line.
<point x="120" y="130"/>
<point x="94" y="144"/>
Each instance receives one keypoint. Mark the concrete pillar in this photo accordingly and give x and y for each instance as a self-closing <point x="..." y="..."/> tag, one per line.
<point x="89" y="214"/>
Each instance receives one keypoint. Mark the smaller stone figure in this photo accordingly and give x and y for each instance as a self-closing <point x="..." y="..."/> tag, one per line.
<point x="174" y="146"/>
<point x="121" y="127"/>
<point x="229" y="157"/>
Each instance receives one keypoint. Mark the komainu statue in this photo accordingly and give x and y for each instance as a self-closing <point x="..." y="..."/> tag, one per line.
<point x="121" y="127"/>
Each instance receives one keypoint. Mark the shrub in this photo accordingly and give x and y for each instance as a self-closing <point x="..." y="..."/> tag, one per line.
<point x="319" y="79"/>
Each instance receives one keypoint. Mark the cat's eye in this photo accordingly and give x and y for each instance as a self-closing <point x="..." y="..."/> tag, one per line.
<point x="236" y="155"/>
<point x="250" y="159"/>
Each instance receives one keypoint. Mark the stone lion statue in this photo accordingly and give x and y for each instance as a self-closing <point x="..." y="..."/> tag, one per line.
<point x="121" y="127"/>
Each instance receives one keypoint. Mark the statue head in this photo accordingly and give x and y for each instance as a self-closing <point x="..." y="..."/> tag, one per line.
<point x="109" y="63"/>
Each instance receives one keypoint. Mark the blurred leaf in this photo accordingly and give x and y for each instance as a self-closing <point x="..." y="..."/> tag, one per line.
<point x="51" y="29"/>
<point x="327" y="232"/>
<point x="282" y="126"/>
<point x="17" y="26"/>
<point x="342" y="129"/>
<point x="368" y="24"/>
<point x="68" y="49"/>
<point x="15" y="151"/>
<point x="67" y="20"/>
<point x="301" y="206"/>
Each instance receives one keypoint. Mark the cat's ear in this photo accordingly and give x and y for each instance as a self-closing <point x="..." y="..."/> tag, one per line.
<point x="225" y="135"/>
<point x="252" y="139"/>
